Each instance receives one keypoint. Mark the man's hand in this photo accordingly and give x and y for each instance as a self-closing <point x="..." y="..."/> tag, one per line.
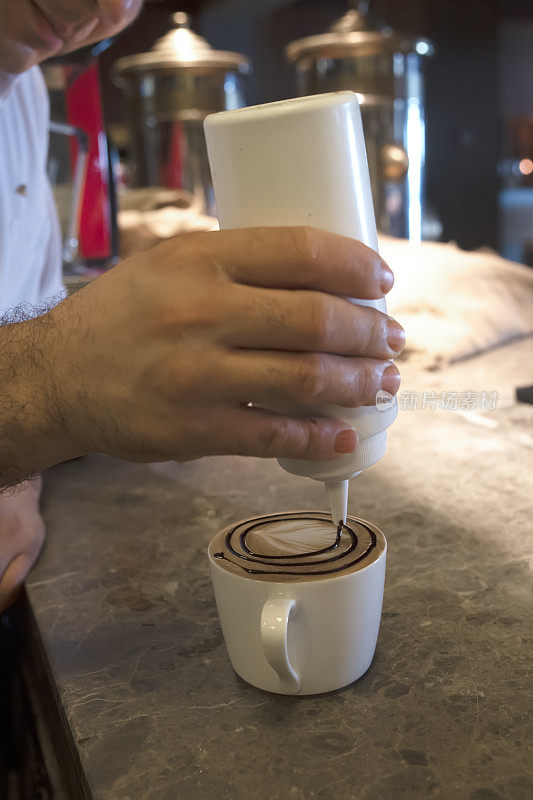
<point x="34" y="30"/>
<point x="158" y="358"/>
<point x="21" y="538"/>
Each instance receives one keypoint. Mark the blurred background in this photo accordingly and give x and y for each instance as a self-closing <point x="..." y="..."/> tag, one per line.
<point x="446" y="92"/>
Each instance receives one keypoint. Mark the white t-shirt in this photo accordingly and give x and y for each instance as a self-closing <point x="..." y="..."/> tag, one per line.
<point x="30" y="239"/>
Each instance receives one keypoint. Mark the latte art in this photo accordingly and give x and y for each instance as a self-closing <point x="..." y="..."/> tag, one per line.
<point x="296" y="546"/>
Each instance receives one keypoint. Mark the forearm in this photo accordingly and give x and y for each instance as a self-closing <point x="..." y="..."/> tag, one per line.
<point x="33" y="434"/>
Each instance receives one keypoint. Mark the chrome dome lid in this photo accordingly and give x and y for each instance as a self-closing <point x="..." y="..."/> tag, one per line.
<point x="357" y="33"/>
<point x="182" y="47"/>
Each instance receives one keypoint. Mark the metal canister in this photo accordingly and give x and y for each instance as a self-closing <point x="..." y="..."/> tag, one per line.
<point x="384" y="68"/>
<point x="169" y="91"/>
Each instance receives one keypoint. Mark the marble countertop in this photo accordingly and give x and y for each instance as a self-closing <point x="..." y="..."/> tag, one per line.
<point x="125" y="611"/>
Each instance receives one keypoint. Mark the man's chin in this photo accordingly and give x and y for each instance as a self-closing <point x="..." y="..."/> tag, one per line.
<point x="16" y="57"/>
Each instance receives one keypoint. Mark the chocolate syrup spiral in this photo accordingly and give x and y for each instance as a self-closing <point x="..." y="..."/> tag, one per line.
<point x="344" y="547"/>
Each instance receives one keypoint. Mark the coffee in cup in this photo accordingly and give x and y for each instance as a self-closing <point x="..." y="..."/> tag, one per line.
<point x="296" y="546"/>
<point x="299" y="598"/>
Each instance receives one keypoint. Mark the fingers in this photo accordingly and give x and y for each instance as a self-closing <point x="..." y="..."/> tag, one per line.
<point x="12" y="579"/>
<point x="293" y="381"/>
<point x="254" y="432"/>
<point x="302" y="258"/>
<point x="310" y="321"/>
<point x="20" y="549"/>
<point x="21" y="538"/>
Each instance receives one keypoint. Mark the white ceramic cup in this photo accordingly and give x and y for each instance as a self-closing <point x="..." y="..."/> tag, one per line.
<point x="304" y="637"/>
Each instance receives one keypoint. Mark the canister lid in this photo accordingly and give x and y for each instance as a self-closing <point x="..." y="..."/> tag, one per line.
<point x="183" y="48"/>
<point x="357" y="33"/>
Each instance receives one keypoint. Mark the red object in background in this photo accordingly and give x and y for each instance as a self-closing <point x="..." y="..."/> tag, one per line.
<point x="84" y="110"/>
<point x="172" y="171"/>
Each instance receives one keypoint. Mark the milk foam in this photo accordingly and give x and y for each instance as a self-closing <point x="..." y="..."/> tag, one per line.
<point x="296" y="546"/>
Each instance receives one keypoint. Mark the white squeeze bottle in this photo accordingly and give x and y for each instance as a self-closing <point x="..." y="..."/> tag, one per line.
<point x="303" y="162"/>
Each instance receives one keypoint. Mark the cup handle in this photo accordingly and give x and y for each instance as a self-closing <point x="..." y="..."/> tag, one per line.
<point x="274" y="624"/>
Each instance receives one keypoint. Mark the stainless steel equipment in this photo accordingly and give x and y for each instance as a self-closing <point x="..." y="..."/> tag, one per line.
<point x="71" y="224"/>
<point x="169" y="91"/>
<point x="384" y="68"/>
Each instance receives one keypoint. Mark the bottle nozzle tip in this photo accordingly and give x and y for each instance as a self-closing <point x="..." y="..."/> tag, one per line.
<point x="338" y="500"/>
